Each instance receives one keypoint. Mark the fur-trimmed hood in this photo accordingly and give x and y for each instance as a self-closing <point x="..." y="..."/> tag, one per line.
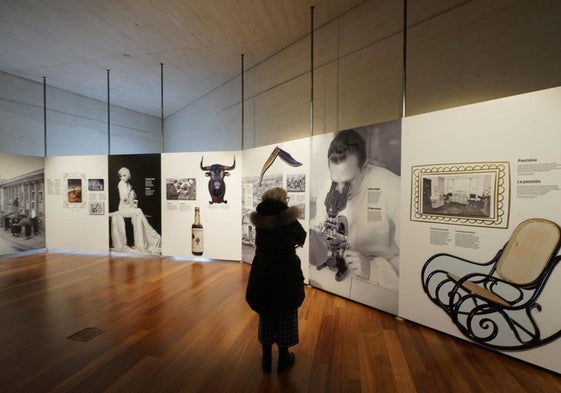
<point x="273" y="214"/>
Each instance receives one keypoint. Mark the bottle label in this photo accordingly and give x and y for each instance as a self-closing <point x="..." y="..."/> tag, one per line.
<point x="197" y="241"/>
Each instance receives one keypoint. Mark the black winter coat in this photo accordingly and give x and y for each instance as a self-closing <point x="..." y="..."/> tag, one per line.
<point x="276" y="282"/>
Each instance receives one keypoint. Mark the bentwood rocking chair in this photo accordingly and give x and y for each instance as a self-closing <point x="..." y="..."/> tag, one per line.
<point x="495" y="303"/>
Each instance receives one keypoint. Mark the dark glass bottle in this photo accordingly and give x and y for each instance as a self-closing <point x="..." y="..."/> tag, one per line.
<point x="197" y="234"/>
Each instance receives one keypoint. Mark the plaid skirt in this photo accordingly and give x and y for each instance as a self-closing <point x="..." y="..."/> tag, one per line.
<point x="280" y="329"/>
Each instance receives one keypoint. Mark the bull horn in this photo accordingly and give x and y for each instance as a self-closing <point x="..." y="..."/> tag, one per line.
<point x="204" y="168"/>
<point x="229" y="168"/>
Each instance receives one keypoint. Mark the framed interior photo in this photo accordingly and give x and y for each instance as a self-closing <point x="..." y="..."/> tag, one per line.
<point x="74" y="187"/>
<point x="465" y="193"/>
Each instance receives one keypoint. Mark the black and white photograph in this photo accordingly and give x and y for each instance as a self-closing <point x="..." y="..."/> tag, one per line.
<point x="354" y="223"/>
<point x="97" y="208"/>
<point x="22" y="206"/>
<point x="474" y="194"/>
<point x="172" y="189"/>
<point x="134" y="203"/>
<point x="296" y="182"/>
<point x="461" y="195"/>
<point x="95" y="185"/>
<point x="181" y="189"/>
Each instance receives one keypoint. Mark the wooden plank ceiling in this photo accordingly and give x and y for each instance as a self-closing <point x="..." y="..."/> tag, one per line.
<point x="73" y="44"/>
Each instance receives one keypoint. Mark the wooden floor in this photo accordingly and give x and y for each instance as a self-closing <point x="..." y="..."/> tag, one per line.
<point x="175" y="326"/>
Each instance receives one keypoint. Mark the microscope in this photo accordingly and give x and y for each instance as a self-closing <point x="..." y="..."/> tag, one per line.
<point x="334" y="230"/>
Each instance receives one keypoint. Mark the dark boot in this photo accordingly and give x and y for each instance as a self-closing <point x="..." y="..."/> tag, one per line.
<point x="286" y="359"/>
<point x="267" y="359"/>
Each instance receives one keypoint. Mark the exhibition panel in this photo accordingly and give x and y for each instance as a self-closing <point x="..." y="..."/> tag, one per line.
<point x="480" y="241"/>
<point x="76" y="203"/>
<point x="285" y="165"/>
<point x="209" y="181"/>
<point x="135" y="204"/>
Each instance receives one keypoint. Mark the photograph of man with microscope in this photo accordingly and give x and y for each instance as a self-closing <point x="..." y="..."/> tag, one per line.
<point x="355" y="208"/>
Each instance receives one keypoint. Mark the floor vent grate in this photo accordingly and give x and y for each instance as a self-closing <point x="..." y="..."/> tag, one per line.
<point x="86" y="334"/>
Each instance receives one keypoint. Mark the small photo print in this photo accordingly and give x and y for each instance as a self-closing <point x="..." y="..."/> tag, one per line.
<point x="296" y="183"/>
<point x="74" y="190"/>
<point x="188" y="189"/>
<point x="182" y="189"/>
<point x="95" y="185"/>
<point x="97" y="208"/>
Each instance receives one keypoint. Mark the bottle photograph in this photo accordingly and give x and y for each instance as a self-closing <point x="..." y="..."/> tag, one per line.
<point x="197" y="234"/>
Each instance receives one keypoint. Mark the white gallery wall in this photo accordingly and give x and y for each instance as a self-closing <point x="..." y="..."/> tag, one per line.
<point x="220" y="219"/>
<point x="514" y="141"/>
<point x="76" y="203"/>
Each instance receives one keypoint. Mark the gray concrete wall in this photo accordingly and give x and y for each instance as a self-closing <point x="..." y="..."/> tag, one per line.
<point x="21" y="116"/>
<point x="480" y="50"/>
<point x="76" y="125"/>
<point x="458" y="52"/>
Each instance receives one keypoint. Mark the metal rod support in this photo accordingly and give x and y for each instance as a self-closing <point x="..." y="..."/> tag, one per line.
<point x="312" y="70"/>
<point x="45" y="116"/>
<point x="243" y="100"/>
<point x="404" y="77"/>
<point x="108" y="115"/>
<point x="162" y="107"/>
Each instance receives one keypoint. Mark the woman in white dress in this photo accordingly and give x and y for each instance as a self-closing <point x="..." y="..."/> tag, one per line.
<point x="146" y="239"/>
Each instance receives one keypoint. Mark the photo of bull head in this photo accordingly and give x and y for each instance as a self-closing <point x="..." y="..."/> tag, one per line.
<point x="216" y="185"/>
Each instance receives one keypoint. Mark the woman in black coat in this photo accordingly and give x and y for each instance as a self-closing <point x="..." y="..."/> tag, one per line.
<point x="275" y="288"/>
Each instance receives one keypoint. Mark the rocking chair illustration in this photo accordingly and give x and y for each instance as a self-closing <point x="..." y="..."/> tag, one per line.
<point x="495" y="303"/>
